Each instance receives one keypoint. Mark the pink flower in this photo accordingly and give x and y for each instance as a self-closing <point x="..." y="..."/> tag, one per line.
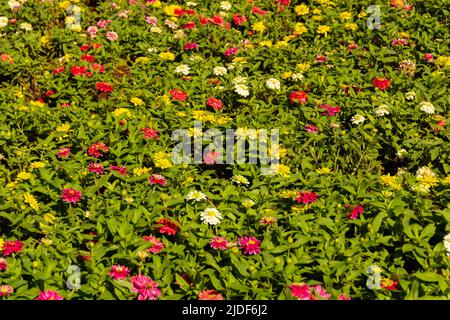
<point x="329" y="110"/>
<point x="119" y="272"/>
<point x="320" y="58"/>
<point x="49" y="295"/>
<point x="10" y="247"/>
<point x="92" y="31"/>
<point x="219" y="243"/>
<point x="301" y="291"/>
<point x="120" y="169"/>
<point x="399" y="42"/>
<point x="3" y="264"/>
<point x="343" y="297"/>
<point x="157" y="179"/>
<point x="96" y="168"/>
<point x="150" y="133"/>
<point x="178" y="95"/>
<point x="190" y="46"/>
<point x="112" y="36"/>
<point x="321" y="291"/>
<point x="6" y="290"/>
<point x="97" y="149"/>
<point x="71" y="195"/>
<point x="63" y="153"/>
<point x="311" y="128"/>
<point x="214" y="103"/>
<point x="167" y="226"/>
<point x="151" y="20"/>
<point x="210" y="295"/>
<point x="145" y="287"/>
<point x="356" y="211"/>
<point x="250" y="245"/>
<point x="306" y="197"/>
<point x="211" y="157"/>
<point x="231" y="51"/>
<point x="156" y="244"/>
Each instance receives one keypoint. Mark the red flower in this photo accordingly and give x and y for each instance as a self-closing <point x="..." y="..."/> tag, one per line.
<point x="49" y="295"/>
<point x="145" y="287"/>
<point x="230" y="51"/>
<point x="96" y="168"/>
<point x="311" y="128"/>
<point x="389" y="284"/>
<point x="97" y="149"/>
<point x="71" y="195"/>
<point x="381" y="83"/>
<point x="356" y="211"/>
<point x="218" y="20"/>
<point x="210" y="295"/>
<point x="214" y="103"/>
<point x="98" y="67"/>
<point x="167" y="226"/>
<point x="178" y="95"/>
<point x="84" y="47"/>
<point x="3" y="264"/>
<point x="10" y="247"/>
<point x="250" y="245"/>
<point x="238" y="19"/>
<point x="301" y="291"/>
<point x="119" y="272"/>
<point x="343" y="297"/>
<point x="219" y="243"/>
<point x="320" y="58"/>
<point x="257" y="10"/>
<point x="190" y="46"/>
<point x="49" y="93"/>
<point x="104" y="87"/>
<point x="120" y="169"/>
<point x="428" y="56"/>
<point x="189" y="25"/>
<point x="150" y="133"/>
<point x="156" y="244"/>
<point x="306" y="197"/>
<point x="298" y="97"/>
<point x="157" y="179"/>
<point x="78" y="71"/>
<point x="204" y="20"/>
<point x="88" y="57"/>
<point x="63" y="153"/>
<point x="330" y="110"/>
<point x="59" y="70"/>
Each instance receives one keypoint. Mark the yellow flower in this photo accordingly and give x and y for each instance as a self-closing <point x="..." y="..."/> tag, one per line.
<point x="345" y="15"/>
<point x="282" y="170"/>
<point x="362" y="14"/>
<point x="443" y="61"/>
<point x="122" y="112"/>
<point x="49" y="218"/>
<point x="259" y="26"/>
<point x="351" y="26"/>
<point x="37" y="165"/>
<point x="23" y="175"/>
<point x="142" y="255"/>
<point x="323" y="170"/>
<point x="47" y="242"/>
<point x="302" y="67"/>
<point x="241" y="60"/>
<point x="322" y="29"/>
<point x="22" y="107"/>
<point x="166" y="99"/>
<point x="142" y="60"/>
<point x="167" y="56"/>
<point x="76" y="28"/>
<point x="426" y="177"/>
<point x="446" y="180"/>
<point x="195" y="132"/>
<point x="318" y="18"/>
<point x="140" y="171"/>
<point x="28" y="198"/>
<point x="301" y="10"/>
<point x="37" y="104"/>
<point x="181" y="114"/>
<point x="12" y="185"/>
<point x="281" y="44"/>
<point x="266" y="43"/>
<point x="287" y="194"/>
<point x="170" y="9"/>
<point x="199" y="114"/>
<point x="300" y="28"/>
<point x="1" y="244"/>
<point x="156" y="4"/>
<point x="161" y="160"/>
<point x="65" y="127"/>
<point x="317" y="11"/>
<point x="64" y="5"/>
<point x="391" y="181"/>
<point x="222" y="120"/>
<point x="286" y="74"/>
<point x="137" y="102"/>
<point x="45" y="40"/>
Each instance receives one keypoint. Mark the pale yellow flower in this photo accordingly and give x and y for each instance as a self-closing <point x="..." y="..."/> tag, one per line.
<point x="282" y="170"/>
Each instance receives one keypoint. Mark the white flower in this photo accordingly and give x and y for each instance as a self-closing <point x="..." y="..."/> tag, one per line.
<point x="225" y="5"/>
<point x="273" y="84"/>
<point x="170" y="24"/>
<point x="242" y="90"/>
<point x="427" y="107"/>
<point x="191" y="4"/>
<point x="3" y="22"/>
<point x="357" y="119"/>
<point x="297" y="77"/>
<point x="240" y="80"/>
<point x="196" y="58"/>
<point x="382" y="110"/>
<point x="151" y="50"/>
<point x="447" y="242"/>
<point x="183" y="69"/>
<point x="424" y="172"/>
<point x="219" y="71"/>
<point x="420" y="188"/>
<point x="240" y="179"/>
<point x="155" y="30"/>
<point x="410" y="95"/>
<point x="26" y="26"/>
<point x="211" y="216"/>
<point x="14" y="5"/>
<point x="401" y="153"/>
<point x="179" y="34"/>
<point x="196" y="195"/>
<point x="231" y="66"/>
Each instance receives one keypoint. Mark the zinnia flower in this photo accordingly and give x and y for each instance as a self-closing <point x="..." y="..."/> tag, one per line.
<point x="145" y="287"/>
<point x="97" y="149"/>
<point x="10" y="247"/>
<point x="211" y="216"/>
<point x="150" y="133"/>
<point x="306" y="197"/>
<point x="104" y="87"/>
<point x="49" y="295"/>
<point x="6" y="290"/>
<point x="214" y="103"/>
<point x="250" y="245"/>
<point x="356" y="211"/>
<point x="381" y="83"/>
<point x="119" y="272"/>
<point x="157" y="179"/>
<point x="96" y="168"/>
<point x="178" y="95"/>
<point x="156" y="244"/>
<point x="167" y="226"/>
<point x="210" y="295"/>
<point x="71" y="195"/>
<point x="298" y="97"/>
<point x="3" y="263"/>
<point x="219" y="243"/>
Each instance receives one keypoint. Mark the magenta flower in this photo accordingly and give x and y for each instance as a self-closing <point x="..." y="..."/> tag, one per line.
<point x="119" y="272"/>
<point x="145" y="287"/>
<point x="49" y="295"/>
<point x="250" y="245"/>
<point x="219" y="243"/>
<point x="71" y="195"/>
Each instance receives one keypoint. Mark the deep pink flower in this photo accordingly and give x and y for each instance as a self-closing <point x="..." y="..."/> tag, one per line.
<point x="150" y="133"/>
<point x="120" y="169"/>
<point x="250" y="245"/>
<point x="190" y="46"/>
<point x="97" y="149"/>
<point x="311" y="128"/>
<point x="306" y="197"/>
<point x="238" y="19"/>
<point x="6" y="290"/>
<point x="321" y="291"/>
<point x="10" y="247"/>
<point x="145" y="287"/>
<point x="167" y="226"/>
<point x="399" y="42"/>
<point x="320" y="58"/>
<point x="157" y="179"/>
<point x="3" y="264"/>
<point x="301" y="291"/>
<point x="230" y="51"/>
<point x="96" y="168"/>
<point x="343" y="297"/>
<point x="219" y="243"/>
<point x="356" y="211"/>
<point x="119" y="272"/>
<point x="329" y="110"/>
<point x="157" y="244"/>
<point x="71" y="195"/>
<point x="210" y="295"/>
<point x="49" y="295"/>
<point x="214" y="103"/>
<point x="258" y="10"/>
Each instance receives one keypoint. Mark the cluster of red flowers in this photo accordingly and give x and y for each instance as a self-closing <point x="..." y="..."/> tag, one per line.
<point x="104" y="87"/>
<point x="381" y="83"/>
<point x="306" y="197"/>
<point x="214" y="103"/>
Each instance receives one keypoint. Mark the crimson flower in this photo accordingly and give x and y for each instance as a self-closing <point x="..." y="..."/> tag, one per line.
<point x="71" y="195"/>
<point x="381" y="83"/>
<point x="178" y="95"/>
<point x="120" y="169"/>
<point x="97" y="149"/>
<point x="298" y="97"/>
<point x="219" y="243"/>
<point x="214" y="103"/>
<point x="306" y="197"/>
<point x="150" y="133"/>
<point x="250" y="245"/>
<point x="104" y="87"/>
<point x="167" y="226"/>
<point x="10" y="247"/>
<point x="49" y="295"/>
<point x="356" y="211"/>
<point x="96" y="168"/>
<point x="119" y="272"/>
